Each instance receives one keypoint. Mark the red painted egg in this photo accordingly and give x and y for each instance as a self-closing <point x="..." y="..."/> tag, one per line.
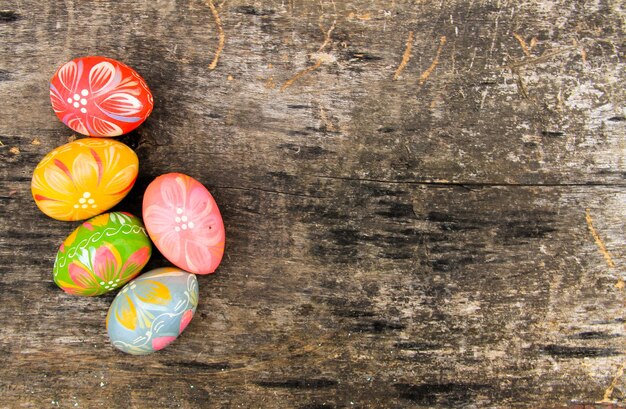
<point x="184" y="222"/>
<point x="99" y="96"/>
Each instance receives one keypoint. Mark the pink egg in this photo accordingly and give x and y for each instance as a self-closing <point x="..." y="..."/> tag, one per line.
<point x="184" y="223"/>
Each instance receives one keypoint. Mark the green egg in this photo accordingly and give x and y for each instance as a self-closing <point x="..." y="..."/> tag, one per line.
<point x="102" y="254"/>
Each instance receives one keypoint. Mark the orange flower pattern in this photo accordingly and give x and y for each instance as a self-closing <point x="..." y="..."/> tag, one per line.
<point x="84" y="178"/>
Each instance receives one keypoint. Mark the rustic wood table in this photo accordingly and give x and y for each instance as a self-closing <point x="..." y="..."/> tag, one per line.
<point x="424" y="203"/>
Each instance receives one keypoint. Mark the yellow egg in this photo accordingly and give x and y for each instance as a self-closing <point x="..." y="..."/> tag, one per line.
<point x="84" y="178"/>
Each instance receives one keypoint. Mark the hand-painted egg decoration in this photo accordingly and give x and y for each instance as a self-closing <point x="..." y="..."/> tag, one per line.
<point x="102" y="254"/>
<point x="151" y="311"/>
<point x="98" y="96"/>
<point x="84" y="178"/>
<point x="184" y="222"/>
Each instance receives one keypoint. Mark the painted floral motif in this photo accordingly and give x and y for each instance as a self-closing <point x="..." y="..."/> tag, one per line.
<point x="84" y="178"/>
<point x="103" y="268"/>
<point x="102" y="254"/>
<point x="184" y="222"/>
<point x="99" y="96"/>
<point x="151" y="311"/>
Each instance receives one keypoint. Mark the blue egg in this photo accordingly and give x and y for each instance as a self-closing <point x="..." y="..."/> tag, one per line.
<point x="151" y="311"/>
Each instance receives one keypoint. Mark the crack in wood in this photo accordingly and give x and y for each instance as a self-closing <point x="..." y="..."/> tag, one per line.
<point x="405" y="57"/>
<point x="300" y="74"/>
<point x="471" y="184"/>
<point x="320" y="56"/>
<point x="598" y="240"/>
<point x="433" y="65"/>
<point x="220" y="32"/>
<point x="269" y="191"/>
<point x="546" y="56"/>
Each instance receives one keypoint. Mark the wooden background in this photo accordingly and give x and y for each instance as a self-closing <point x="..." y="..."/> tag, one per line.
<point x="424" y="202"/>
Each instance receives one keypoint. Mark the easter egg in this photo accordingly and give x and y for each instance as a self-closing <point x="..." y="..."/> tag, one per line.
<point x="84" y="178"/>
<point x="98" y="96"/>
<point x="184" y="222"/>
<point x="102" y="254"/>
<point x="151" y="311"/>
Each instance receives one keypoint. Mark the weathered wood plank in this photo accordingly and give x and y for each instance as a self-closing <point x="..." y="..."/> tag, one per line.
<point x="457" y="242"/>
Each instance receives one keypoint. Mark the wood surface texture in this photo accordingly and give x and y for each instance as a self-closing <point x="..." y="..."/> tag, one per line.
<point x="424" y="203"/>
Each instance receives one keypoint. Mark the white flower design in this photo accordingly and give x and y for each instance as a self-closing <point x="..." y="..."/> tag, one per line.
<point x="96" y="103"/>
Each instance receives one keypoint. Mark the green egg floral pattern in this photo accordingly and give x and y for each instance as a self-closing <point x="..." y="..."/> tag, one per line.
<point x="102" y="254"/>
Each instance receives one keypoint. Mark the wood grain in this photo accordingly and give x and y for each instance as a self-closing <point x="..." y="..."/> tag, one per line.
<point x="389" y="243"/>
